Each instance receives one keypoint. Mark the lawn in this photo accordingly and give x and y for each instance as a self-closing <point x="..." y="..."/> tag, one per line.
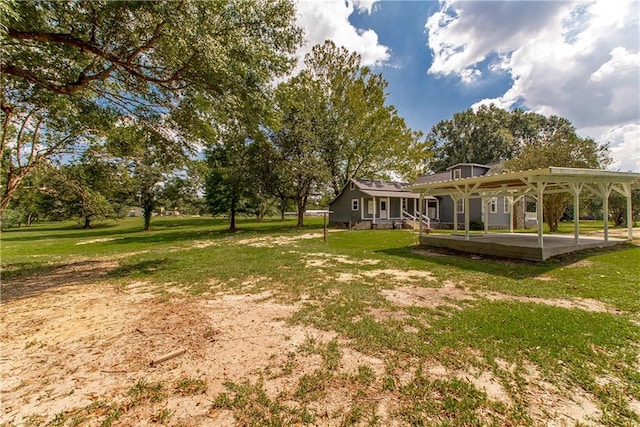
<point x="281" y="328"/>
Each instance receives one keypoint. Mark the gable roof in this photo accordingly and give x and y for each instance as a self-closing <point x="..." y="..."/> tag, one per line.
<point x="469" y="164"/>
<point x="384" y="188"/>
<point x="364" y="184"/>
<point x="434" y="177"/>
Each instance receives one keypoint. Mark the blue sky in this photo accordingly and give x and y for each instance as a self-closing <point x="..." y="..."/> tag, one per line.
<point x="579" y="60"/>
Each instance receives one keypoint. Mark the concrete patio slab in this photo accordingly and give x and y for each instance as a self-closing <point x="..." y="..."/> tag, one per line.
<point x="516" y="245"/>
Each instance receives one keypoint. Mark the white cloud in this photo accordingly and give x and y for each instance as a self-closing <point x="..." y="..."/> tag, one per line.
<point x="364" y="6"/>
<point x="329" y="19"/>
<point x="579" y="60"/>
<point x="624" y="144"/>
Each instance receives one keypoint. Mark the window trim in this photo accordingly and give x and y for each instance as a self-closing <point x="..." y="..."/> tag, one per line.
<point x="352" y="186"/>
<point x="506" y="205"/>
<point x="493" y="205"/>
<point x="355" y="205"/>
<point x="460" y="206"/>
<point x="457" y="172"/>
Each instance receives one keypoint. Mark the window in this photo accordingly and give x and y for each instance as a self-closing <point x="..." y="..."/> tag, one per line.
<point x="370" y="206"/>
<point x="355" y="204"/>
<point x="493" y="205"/>
<point x="457" y="173"/>
<point x="507" y="205"/>
<point x="383" y="205"/>
<point x="460" y="206"/>
<point x="352" y="186"/>
<point x="404" y="204"/>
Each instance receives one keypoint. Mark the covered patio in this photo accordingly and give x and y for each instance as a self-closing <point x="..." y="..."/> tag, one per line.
<point x="534" y="184"/>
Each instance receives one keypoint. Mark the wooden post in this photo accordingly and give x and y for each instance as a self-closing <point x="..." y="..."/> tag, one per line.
<point x="627" y="193"/>
<point x="324" y="226"/>
<point x="605" y="190"/>
<point x="540" y="216"/>
<point x="466" y="212"/>
<point x="575" y="189"/>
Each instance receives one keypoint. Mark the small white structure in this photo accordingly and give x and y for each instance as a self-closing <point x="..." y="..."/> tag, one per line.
<point x="534" y="184"/>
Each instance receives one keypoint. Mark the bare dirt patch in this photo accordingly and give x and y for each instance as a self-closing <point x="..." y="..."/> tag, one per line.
<point x="68" y="348"/>
<point x="427" y="297"/>
<point x="447" y="294"/>
<point x="272" y="242"/>
<point x="55" y="276"/>
<point x="104" y="239"/>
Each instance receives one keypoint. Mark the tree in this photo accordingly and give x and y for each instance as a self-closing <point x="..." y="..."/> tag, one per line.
<point x="197" y="60"/>
<point x="618" y="205"/>
<point x="227" y="182"/>
<point x="183" y="189"/>
<point x="36" y="133"/>
<point x="557" y="144"/>
<point x="146" y="54"/>
<point x="362" y="137"/>
<point x="151" y="157"/>
<point x="483" y="136"/>
<point x="300" y="163"/>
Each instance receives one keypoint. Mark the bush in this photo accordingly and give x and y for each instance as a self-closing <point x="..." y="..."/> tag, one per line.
<point x="476" y="225"/>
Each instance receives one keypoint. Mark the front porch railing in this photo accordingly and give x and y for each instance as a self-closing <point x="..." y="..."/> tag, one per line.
<point x="419" y="216"/>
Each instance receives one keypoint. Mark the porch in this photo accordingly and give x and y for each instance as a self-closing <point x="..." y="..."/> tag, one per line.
<point x="516" y="245"/>
<point x="535" y="184"/>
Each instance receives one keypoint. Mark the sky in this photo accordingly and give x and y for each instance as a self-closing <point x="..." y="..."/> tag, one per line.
<point x="575" y="59"/>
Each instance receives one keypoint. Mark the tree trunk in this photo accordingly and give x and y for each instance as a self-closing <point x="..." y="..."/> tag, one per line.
<point x="232" y="225"/>
<point x="283" y="206"/>
<point x="13" y="181"/>
<point x="301" y="209"/>
<point x="148" y="210"/>
<point x="87" y="221"/>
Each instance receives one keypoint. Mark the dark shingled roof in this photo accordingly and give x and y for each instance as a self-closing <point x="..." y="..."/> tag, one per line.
<point x="381" y="185"/>
<point x="434" y="177"/>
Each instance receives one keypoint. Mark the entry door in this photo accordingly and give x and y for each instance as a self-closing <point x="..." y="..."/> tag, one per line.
<point x="383" y="209"/>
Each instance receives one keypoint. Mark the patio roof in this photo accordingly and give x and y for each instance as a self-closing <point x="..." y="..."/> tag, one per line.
<point x="556" y="179"/>
<point x="535" y="183"/>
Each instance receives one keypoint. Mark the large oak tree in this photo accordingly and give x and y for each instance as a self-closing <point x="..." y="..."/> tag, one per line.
<point x="198" y="60"/>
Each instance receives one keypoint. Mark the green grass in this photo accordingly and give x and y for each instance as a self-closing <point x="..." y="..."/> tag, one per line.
<point x="571" y="348"/>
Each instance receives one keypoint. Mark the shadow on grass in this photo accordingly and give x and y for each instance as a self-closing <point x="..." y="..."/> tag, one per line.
<point x="505" y="267"/>
<point x="149" y="266"/>
<point x="23" y="280"/>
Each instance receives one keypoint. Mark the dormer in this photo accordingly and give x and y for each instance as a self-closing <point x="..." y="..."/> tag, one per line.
<point x="467" y="170"/>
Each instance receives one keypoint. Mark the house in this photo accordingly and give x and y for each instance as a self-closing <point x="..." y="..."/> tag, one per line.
<point x="451" y="210"/>
<point x="375" y="204"/>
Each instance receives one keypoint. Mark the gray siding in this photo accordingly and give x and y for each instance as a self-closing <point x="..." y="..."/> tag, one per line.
<point x="341" y="206"/>
<point x="343" y="214"/>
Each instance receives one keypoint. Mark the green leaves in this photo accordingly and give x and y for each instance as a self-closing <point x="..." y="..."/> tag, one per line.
<point x="362" y="136"/>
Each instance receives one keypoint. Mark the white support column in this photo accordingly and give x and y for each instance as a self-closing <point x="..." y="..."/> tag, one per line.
<point x="417" y="213"/>
<point x="389" y="208"/>
<point x="627" y="193"/>
<point x="362" y="208"/>
<point x="455" y="214"/>
<point x="605" y="191"/>
<point x="511" y="203"/>
<point x="540" y="207"/>
<point x="374" y="209"/>
<point x="466" y="214"/>
<point x="485" y="206"/>
<point x="575" y="190"/>
<point x="437" y="209"/>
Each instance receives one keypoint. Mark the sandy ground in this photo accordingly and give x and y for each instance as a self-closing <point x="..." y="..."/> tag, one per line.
<point x="70" y="342"/>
